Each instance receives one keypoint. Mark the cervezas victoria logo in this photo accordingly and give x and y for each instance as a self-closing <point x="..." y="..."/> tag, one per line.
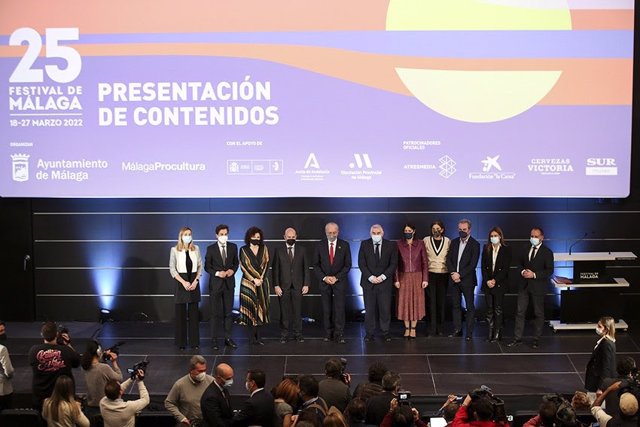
<point x="20" y="167"/>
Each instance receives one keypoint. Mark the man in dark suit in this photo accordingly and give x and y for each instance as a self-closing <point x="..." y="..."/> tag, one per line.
<point x="378" y="260"/>
<point x="378" y="406"/>
<point x="258" y="409"/>
<point x="462" y="260"/>
<point x="221" y="262"/>
<point x="536" y="268"/>
<point x="215" y="402"/>
<point x="331" y="264"/>
<point x="291" y="281"/>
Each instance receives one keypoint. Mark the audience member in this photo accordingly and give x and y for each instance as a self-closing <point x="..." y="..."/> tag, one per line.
<point x="258" y="409"/>
<point x="628" y="408"/>
<point x="356" y="413"/>
<point x="477" y="412"/>
<point x="627" y="372"/>
<point x="401" y="416"/>
<point x="6" y="372"/>
<point x="334" y="389"/>
<point x="546" y="415"/>
<point x="97" y="374"/>
<point x="374" y="386"/>
<point x="183" y="400"/>
<point x="61" y="409"/>
<point x="117" y="412"/>
<point x="48" y="361"/>
<point x="216" y="401"/>
<point x="285" y="399"/>
<point x="334" y="418"/>
<point x="580" y="401"/>
<point x="377" y="406"/>
<point x="314" y="408"/>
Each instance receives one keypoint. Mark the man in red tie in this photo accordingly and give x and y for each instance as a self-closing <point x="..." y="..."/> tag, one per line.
<point x="331" y="264"/>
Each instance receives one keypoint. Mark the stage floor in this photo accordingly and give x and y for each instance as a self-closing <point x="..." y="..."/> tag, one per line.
<point x="433" y="366"/>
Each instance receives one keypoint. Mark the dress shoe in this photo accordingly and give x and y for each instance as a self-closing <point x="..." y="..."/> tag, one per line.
<point x="514" y="343"/>
<point x="457" y="333"/>
<point x="439" y="333"/>
<point x="327" y="338"/>
<point x="214" y="345"/>
<point x="181" y="348"/>
<point x="258" y="342"/>
<point x="196" y="348"/>
<point x="468" y="338"/>
<point x="230" y="343"/>
<point x="387" y="337"/>
<point x="283" y="340"/>
<point x="368" y="338"/>
<point x="340" y="339"/>
<point x="535" y="344"/>
<point x="300" y="338"/>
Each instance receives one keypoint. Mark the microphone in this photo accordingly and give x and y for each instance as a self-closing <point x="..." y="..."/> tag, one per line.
<point x="578" y="241"/>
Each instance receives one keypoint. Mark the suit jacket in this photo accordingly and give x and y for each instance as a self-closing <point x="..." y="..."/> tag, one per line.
<point x="341" y="260"/>
<point x="370" y="265"/>
<point x="601" y="365"/>
<point x="213" y="263"/>
<point x="287" y="273"/>
<point x="377" y="407"/>
<point x="257" y="410"/>
<point x="501" y="270"/>
<point x="216" y="409"/>
<point x="541" y="265"/>
<point x="468" y="261"/>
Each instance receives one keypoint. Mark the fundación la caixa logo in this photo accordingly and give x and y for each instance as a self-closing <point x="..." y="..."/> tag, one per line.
<point x="20" y="167"/>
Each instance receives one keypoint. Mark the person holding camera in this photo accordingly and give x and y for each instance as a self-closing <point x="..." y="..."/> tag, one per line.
<point x="477" y="412"/>
<point x="49" y="360"/>
<point x="96" y="373"/>
<point x="61" y="409"/>
<point x="627" y="407"/>
<point x="183" y="400"/>
<point x="117" y="412"/>
<point x="401" y="416"/>
<point x="334" y="389"/>
<point x="628" y="374"/>
<point x="377" y="405"/>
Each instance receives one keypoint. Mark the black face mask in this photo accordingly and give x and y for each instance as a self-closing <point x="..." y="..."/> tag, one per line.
<point x="3" y="337"/>
<point x="408" y="236"/>
<point x="254" y="241"/>
<point x="291" y="242"/>
<point x="462" y="234"/>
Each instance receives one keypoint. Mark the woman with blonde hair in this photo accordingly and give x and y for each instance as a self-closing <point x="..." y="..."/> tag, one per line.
<point x="334" y="418"/>
<point x="603" y="358"/>
<point x="61" y="409"/>
<point x="185" y="266"/>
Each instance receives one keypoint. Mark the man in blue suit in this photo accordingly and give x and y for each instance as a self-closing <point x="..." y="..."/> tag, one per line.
<point x="331" y="264"/>
<point x="462" y="260"/>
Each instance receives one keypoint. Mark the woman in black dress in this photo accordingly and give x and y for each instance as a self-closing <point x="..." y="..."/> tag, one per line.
<point x="496" y="261"/>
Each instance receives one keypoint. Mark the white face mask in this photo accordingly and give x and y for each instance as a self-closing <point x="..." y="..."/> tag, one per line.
<point x="376" y="238"/>
<point x="331" y="238"/>
<point x="247" y="386"/>
<point x="200" y="377"/>
<point x="228" y="383"/>
<point x="534" y="241"/>
<point x="186" y="239"/>
<point x="495" y="240"/>
<point x="223" y="239"/>
<point x="599" y="331"/>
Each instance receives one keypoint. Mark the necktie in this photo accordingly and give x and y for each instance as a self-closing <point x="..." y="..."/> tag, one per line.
<point x="533" y="253"/>
<point x="331" y="253"/>
<point x="377" y="251"/>
<point x="224" y="254"/>
<point x="290" y="253"/>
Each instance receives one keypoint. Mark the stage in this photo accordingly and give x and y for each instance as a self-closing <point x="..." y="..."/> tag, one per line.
<point x="431" y="367"/>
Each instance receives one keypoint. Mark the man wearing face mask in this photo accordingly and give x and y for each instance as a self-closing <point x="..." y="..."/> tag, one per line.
<point x="216" y="400"/>
<point x="378" y="260"/>
<point x="536" y="268"/>
<point x="258" y="409"/>
<point x="331" y="264"/>
<point x="221" y="262"/>
<point x="291" y="281"/>
<point x="183" y="401"/>
<point x="6" y="371"/>
<point x="462" y="261"/>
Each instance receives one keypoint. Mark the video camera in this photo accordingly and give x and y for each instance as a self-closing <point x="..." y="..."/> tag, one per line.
<point x="404" y="398"/>
<point x="343" y="371"/>
<point x="141" y="365"/>
<point x="63" y="337"/>
<point x="114" y="349"/>
<point x="498" y="412"/>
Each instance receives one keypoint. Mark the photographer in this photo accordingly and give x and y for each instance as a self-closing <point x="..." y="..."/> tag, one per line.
<point x="334" y="389"/>
<point x="628" y="408"/>
<point x="477" y="411"/>
<point x="50" y="360"/>
<point x="402" y="416"/>
<point x="97" y="374"/>
<point x="376" y="405"/>
<point x="627" y="373"/>
<point x="115" y="411"/>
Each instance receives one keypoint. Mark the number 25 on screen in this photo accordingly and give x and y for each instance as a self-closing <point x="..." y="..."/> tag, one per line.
<point x="25" y="72"/>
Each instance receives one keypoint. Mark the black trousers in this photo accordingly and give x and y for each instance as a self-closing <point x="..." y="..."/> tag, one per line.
<point x="333" y="308"/>
<point x="377" y="305"/>
<point x="291" y="311"/>
<point x="436" y="297"/>
<point x="538" y="311"/>
<point x="457" y="292"/>
<point x="495" y="315"/>
<point x="221" y="303"/>
<point x="187" y="324"/>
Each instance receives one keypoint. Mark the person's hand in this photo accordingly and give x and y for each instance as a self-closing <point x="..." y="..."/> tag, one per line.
<point x="346" y="378"/>
<point x="455" y="276"/>
<point x="424" y="285"/>
<point x="416" y="414"/>
<point x="467" y="400"/>
<point x="186" y="422"/>
<point x="393" y="404"/>
<point x="491" y="283"/>
<point x="194" y="284"/>
<point x="257" y="282"/>
<point x="305" y="290"/>
<point x="527" y="274"/>
<point x="278" y="290"/>
<point x="451" y="398"/>
<point x="397" y="285"/>
<point x="294" y="420"/>
<point x="140" y="375"/>
<point x="229" y="272"/>
<point x="112" y="356"/>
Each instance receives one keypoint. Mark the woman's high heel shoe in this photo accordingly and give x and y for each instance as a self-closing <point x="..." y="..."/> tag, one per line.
<point x="412" y="333"/>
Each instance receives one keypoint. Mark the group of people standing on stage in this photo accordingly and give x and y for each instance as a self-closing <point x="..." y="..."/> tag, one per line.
<point x="413" y="266"/>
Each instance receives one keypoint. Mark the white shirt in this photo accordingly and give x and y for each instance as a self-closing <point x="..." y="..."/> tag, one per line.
<point x="463" y="244"/>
